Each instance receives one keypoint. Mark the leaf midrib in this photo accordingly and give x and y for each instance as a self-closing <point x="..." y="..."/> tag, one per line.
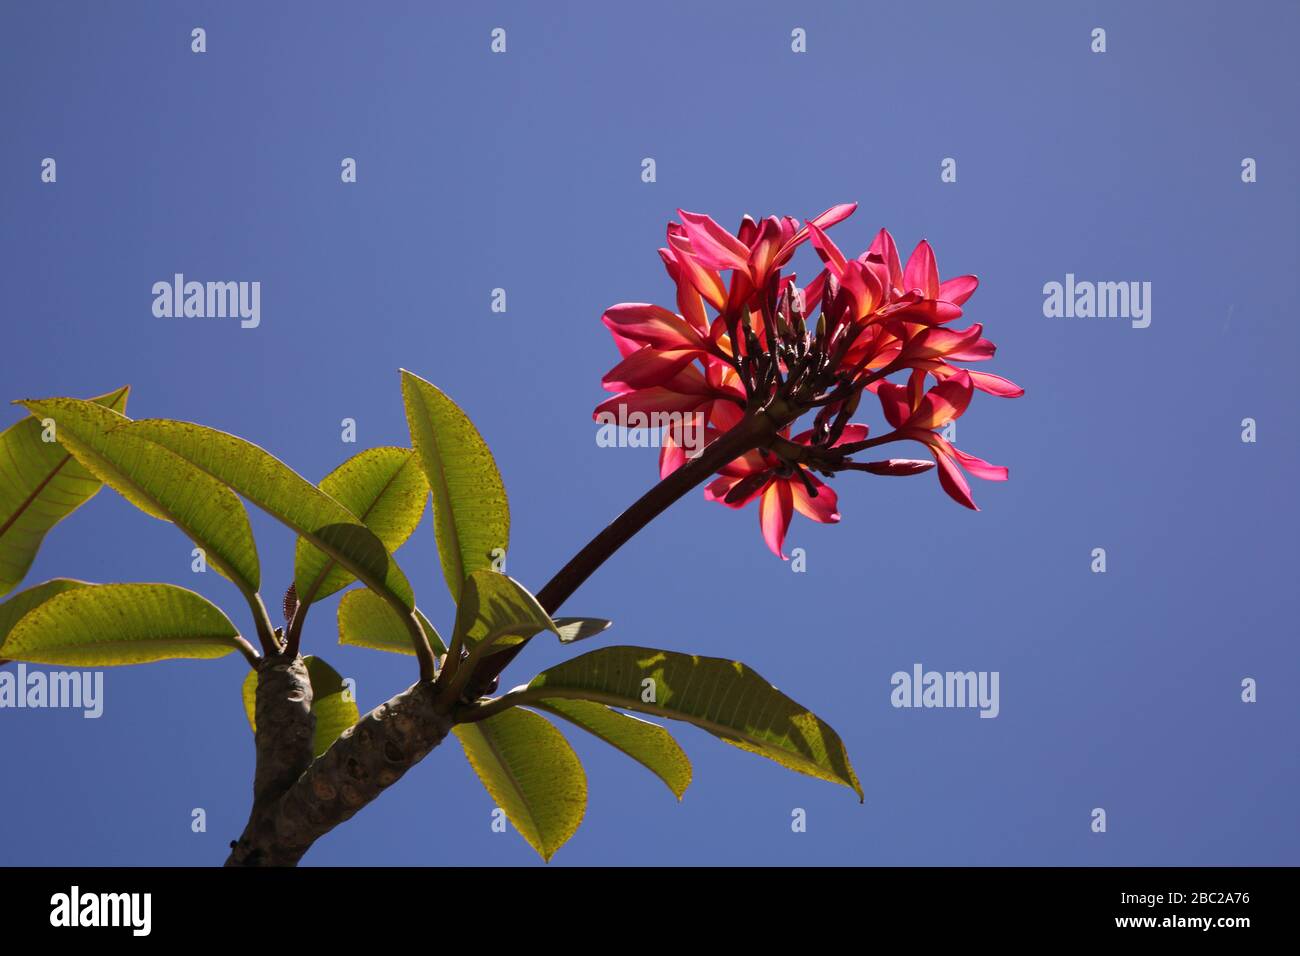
<point x="514" y="784"/>
<point x="533" y="694"/>
<point x="444" y="487"/>
<point x="131" y="641"/>
<point x="27" y="502"/>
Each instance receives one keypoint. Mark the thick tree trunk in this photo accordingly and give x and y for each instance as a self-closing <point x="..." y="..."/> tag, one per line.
<point x="283" y="741"/>
<point x="297" y="800"/>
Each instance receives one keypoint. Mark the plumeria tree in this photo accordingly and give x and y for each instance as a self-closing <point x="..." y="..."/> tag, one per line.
<point x="773" y="393"/>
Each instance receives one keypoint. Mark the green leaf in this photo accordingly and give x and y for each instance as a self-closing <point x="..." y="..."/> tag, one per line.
<point x="100" y="625"/>
<point x="724" y="697"/>
<point x="248" y="691"/>
<point x="365" y="620"/>
<point x="496" y="611"/>
<point x="159" y="483"/>
<point x="531" y="772"/>
<point x="285" y="495"/>
<point x="648" y="744"/>
<point x="471" y="516"/>
<point x="22" y="602"/>
<point x="570" y="629"/>
<point x="40" y="485"/>
<point x="331" y="703"/>
<point x="385" y="488"/>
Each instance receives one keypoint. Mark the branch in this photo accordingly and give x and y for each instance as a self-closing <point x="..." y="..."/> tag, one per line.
<point x="290" y="815"/>
<point x="283" y="738"/>
<point x="245" y="648"/>
<point x="751" y="433"/>
<point x="293" y="635"/>
<point x="367" y="758"/>
<point x="423" y="649"/>
<point x="262" y="620"/>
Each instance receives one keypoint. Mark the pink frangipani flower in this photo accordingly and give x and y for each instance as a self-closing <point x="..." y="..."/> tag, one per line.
<point x="760" y="362"/>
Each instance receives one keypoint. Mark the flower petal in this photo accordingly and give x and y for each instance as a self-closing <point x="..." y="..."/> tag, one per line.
<point x="824" y="508"/>
<point x="941" y="404"/>
<point x="922" y="272"/>
<point x="893" y="402"/>
<point x="853" y="432"/>
<point x="979" y="467"/>
<point x="651" y="325"/>
<point x="864" y="285"/>
<point x="763" y="254"/>
<point x="624" y="345"/>
<point x="829" y="252"/>
<point x="957" y="290"/>
<point x="937" y="341"/>
<point x="750" y="463"/>
<point x="953" y="481"/>
<point x="725" y="415"/>
<point x="712" y="246"/>
<point x="996" y="385"/>
<point x="884" y="249"/>
<point x="717" y="489"/>
<point x="980" y="350"/>
<point x="707" y="282"/>
<point x="671" y="456"/>
<point x="646" y="401"/>
<point x="646" y="368"/>
<point x="925" y="311"/>
<point x="774" y="513"/>
<point x="827" y="219"/>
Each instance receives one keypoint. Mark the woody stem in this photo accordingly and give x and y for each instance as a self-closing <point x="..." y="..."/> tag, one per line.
<point x="754" y="432"/>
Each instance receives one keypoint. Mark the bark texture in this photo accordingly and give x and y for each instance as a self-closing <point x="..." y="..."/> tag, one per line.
<point x="298" y="808"/>
<point x="283" y="740"/>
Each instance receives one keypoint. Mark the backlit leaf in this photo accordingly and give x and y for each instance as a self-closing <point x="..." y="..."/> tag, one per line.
<point x="281" y="492"/>
<point x="365" y="620"/>
<point x="648" y="744"/>
<point x="101" y="625"/>
<point x="497" y="611"/>
<point x="724" y="697"/>
<point x="471" y="516"/>
<point x="40" y="485"/>
<point x="159" y="483"/>
<point x="386" y="489"/>
<point x="531" y="772"/>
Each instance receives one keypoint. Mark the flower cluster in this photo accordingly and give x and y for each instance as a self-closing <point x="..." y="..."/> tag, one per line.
<point x="762" y="353"/>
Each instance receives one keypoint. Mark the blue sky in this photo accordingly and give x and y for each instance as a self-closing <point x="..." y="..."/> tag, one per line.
<point x="522" y="171"/>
